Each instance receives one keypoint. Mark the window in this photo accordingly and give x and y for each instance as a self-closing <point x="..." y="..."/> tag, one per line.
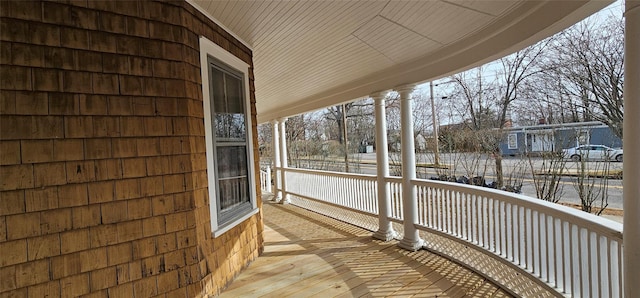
<point x="228" y="137"/>
<point x="512" y="141"/>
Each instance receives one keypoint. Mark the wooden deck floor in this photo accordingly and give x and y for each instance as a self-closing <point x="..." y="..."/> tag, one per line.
<point x="310" y="255"/>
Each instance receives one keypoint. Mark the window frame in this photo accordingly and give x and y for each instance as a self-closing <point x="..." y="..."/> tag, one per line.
<point x="209" y="49"/>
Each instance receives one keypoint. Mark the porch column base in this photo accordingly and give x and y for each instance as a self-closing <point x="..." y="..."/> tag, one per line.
<point x="285" y="200"/>
<point x="385" y="236"/>
<point x="411" y="244"/>
<point x="277" y="196"/>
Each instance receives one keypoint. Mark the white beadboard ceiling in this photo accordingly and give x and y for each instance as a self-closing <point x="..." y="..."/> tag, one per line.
<point x="311" y="54"/>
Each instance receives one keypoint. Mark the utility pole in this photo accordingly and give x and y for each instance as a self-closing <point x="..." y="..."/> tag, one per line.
<point x="436" y="149"/>
<point x="344" y="135"/>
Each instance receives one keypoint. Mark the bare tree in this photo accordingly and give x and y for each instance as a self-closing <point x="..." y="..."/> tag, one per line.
<point x="487" y="103"/>
<point x="546" y="173"/>
<point x="592" y="184"/>
<point x="477" y="101"/>
<point x="265" y="142"/>
<point x="359" y="116"/>
<point x="549" y="100"/>
<point x="590" y="55"/>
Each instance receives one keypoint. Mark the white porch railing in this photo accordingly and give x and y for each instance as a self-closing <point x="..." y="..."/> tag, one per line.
<point x="575" y="253"/>
<point x="353" y="191"/>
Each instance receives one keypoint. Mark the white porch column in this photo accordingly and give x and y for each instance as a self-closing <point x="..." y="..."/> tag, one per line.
<point x="385" y="230"/>
<point x="411" y="240"/>
<point x="283" y="161"/>
<point x="631" y="166"/>
<point x="276" y="162"/>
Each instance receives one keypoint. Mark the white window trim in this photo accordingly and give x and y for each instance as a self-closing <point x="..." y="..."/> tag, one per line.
<point x="208" y="48"/>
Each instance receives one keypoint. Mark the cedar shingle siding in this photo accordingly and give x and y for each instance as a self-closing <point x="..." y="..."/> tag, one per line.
<point x="103" y="184"/>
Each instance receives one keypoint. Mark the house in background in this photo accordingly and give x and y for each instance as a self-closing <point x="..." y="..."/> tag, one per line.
<point x="128" y="140"/>
<point x="555" y="137"/>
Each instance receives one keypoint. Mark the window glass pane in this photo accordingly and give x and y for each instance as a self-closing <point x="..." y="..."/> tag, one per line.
<point x="234" y="94"/>
<point x="230" y="126"/>
<point x="232" y="161"/>
<point x="233" y="192"/>
<point x="228" y="106"/>
<point x="217" y="91"/>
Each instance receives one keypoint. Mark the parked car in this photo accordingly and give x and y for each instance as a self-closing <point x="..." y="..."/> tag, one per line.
<point x="593" y="152"/>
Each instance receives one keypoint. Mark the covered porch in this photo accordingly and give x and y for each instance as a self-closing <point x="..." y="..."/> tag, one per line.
<point x="112" y="154"/>
<point x="521" y="245"/>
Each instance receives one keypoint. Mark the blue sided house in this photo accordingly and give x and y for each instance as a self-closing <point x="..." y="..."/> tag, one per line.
<point x="555" y="137"/>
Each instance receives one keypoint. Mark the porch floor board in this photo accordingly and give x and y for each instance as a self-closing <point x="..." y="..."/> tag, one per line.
<point x="311" y="255"/>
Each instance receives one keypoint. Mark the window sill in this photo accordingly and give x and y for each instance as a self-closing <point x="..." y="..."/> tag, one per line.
<point x="223" y="229"/>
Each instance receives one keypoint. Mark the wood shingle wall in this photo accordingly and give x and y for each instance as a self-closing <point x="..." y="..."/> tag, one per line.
<point x="103" y="182"/>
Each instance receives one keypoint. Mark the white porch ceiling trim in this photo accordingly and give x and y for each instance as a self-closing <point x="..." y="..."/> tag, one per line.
<point x="312" y="54"/>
